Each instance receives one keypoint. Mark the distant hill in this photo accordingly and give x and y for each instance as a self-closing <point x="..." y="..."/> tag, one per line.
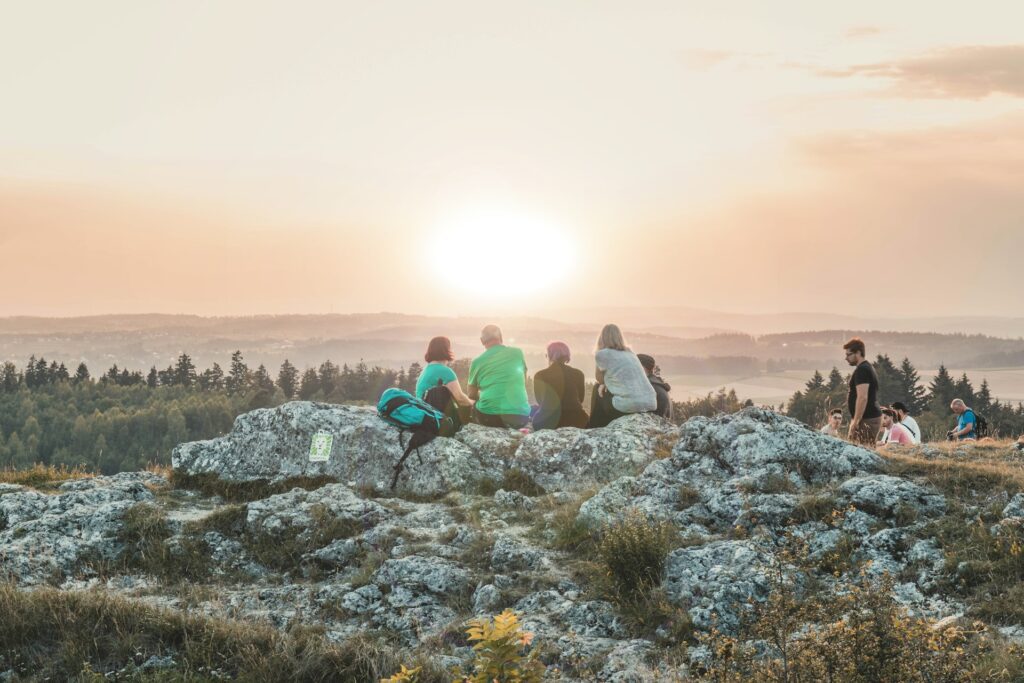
<point x="394" y="339"/>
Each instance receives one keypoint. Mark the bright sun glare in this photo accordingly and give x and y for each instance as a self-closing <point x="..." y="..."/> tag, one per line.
<point x="503" y="253"/>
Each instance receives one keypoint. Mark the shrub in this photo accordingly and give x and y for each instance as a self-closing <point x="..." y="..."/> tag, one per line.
<point x="851" y="631"/>
<point x="633" y="551"/>
<point x="48" y="634"/>
<point x="499" y="647"/>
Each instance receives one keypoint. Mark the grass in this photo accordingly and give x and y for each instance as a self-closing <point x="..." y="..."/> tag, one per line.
<point x="144" y="533"/>
<point x="56" y="635"/>
<point x="284" y="553"/>
<point x="982" y="568"/>
<point x="41" y="476"/>
<point x="244" y="491"/>
<point x="512" y="480"/>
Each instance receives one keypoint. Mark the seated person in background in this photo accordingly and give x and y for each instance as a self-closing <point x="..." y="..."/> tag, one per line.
<point x="437" y="373"/>
<point x="559" y="390"/>
<point x="497" y="382"/>
<point x="622" y="385"/>
<point x="661" y="387"/>
<point x="835" y="421"/>
<point x="965" y="421"/>
<point x="909" y="423"/>
<point x="893" y="431"/>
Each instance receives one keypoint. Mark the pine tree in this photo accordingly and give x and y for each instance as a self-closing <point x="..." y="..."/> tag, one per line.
<point x="112" y="374"/>
<point x="10" y="378"/>
<point x="212" y="379"/>
<point x="166" y="376"/>
<point x="983" y="399"/>
<point x="835" y="379"/>
<point x="963" y="390"/>
<point x="330" y="378"/>
<point x="415" y="370"/>
<point x="261" y="379"/>
<point x="82" y="375"/>
<point x="184" y="372"/>
<point x="889" y="381"/>
<point x="239" y="377"/>
<point x="43" y="372"/>
<point x="941" y="392"/>
<point x="310" y="384"/>
<point x="152" y="378"/>
<point x="912" y="390"/>
<point x="816" y="382"/>
<point x="288" y="379"/>
<point x="30" y="373"/>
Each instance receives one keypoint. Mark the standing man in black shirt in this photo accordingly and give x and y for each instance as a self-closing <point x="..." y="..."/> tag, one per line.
<point x="865" y="413"/>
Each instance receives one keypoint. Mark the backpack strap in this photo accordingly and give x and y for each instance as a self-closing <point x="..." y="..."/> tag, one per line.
<point x="418" y="439"/>
<point x="393" y="405"/>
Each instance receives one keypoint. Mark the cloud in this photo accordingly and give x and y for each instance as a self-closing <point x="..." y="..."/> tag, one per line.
<point x="705" y="59"/>
<point x="862" y="31"/>
<point x="964" y="72"/>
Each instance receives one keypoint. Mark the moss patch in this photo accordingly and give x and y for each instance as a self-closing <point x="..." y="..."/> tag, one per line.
<point x="244" y="491"/>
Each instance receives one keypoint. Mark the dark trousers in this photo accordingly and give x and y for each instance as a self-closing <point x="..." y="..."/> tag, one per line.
<point x="509" y="421"/>
<point x="867" y="433"/>
<point x="602" y="410"/>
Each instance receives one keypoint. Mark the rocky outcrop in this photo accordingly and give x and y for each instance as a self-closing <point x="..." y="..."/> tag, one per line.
<point x="353" y="558"/>
<point x="274" y="444"/>
<point x="44" y="537"/>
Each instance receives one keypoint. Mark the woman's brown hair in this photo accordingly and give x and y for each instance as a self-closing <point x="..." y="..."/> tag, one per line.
<point x="439" y="349"/>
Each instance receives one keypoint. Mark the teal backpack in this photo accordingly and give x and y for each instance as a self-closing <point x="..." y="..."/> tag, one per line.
<point x="410" y="414"/>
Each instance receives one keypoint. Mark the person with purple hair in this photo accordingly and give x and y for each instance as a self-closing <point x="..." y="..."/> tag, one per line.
<point x="559" y="390"/>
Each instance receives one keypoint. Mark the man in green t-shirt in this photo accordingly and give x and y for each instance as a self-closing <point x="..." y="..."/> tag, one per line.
<point x="497" y="381"/>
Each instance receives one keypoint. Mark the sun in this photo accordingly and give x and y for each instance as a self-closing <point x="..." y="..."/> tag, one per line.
<point x="502" y="253"/>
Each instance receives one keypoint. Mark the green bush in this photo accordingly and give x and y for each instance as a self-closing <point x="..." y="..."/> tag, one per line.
<point x="633" y="551"/>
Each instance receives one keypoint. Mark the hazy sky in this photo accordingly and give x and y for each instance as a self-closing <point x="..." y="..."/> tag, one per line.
<point x="455" y="157"/>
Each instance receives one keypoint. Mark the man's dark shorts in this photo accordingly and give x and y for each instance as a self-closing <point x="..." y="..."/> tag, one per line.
<point x="506" y="421"/>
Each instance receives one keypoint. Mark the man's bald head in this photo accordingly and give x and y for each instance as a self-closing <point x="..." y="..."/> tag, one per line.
<point x="490" y="335"/>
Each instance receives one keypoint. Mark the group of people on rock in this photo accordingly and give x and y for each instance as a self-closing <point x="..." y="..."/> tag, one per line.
<point x="496" y="394"/>
<point x="872" y="424"/>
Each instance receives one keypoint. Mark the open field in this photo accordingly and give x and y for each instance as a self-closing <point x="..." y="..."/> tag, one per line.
<point x="1007" y="384"/>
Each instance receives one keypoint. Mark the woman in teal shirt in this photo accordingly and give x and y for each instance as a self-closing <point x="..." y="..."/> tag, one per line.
<point x="437" y="373"/>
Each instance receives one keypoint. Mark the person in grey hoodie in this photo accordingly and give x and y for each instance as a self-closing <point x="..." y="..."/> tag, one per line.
<point x="661" y="387"/>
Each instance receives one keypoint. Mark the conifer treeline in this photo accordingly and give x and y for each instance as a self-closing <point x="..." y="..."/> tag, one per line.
<point x="123" y="420"/>
<point x="929" y="405"/>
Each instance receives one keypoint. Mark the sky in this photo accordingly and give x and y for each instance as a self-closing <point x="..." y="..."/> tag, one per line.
<point x="452" y="157"/>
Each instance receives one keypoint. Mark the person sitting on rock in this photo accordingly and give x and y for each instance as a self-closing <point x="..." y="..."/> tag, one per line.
<point x="909" y="423"/>
<point x="835" y="421"/>
<point x="559" y="390"/>
<point x="661" y="387"/>
<point x="437" y="373"/>
<point x="893" y="432"/>
<point x="497" y="382"/>
<point x="965" y="422"/>
<point x="622" y="385"/>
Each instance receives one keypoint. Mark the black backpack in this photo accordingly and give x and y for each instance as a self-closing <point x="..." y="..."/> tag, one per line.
<point x="980" y="425"/>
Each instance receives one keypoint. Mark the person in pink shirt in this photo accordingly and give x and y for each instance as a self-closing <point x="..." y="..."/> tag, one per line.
<point x="894" y="432"/>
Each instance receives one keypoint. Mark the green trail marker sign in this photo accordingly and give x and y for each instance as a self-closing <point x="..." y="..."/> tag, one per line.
<point x="320" y="448"/>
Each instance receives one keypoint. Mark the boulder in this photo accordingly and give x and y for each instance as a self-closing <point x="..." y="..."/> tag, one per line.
<point x="273" y="444"/>
<point x="742" y="469"/>
<point x="571" y="459"/>
<point x="45" y="536"/>
<point x="885" y="496"/>
<point x="715" y="582"/>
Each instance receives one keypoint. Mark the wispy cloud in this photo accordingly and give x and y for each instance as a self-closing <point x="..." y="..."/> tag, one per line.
<point x="862" y="31"/>
<point x="964" y="72"/>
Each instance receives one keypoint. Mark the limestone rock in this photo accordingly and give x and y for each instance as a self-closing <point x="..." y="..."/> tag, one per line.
<point x="883" y="495"/>
<point x="273" y="444"/>
<point x="570" y="459"/>
<point x="46" y="536"/>
<point x="716" y="580"/>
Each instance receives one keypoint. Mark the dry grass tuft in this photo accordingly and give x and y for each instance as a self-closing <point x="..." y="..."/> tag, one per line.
<point x="244" y="491"/>
<point x="41" y="476"/>
<point x="50" y="634"/>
